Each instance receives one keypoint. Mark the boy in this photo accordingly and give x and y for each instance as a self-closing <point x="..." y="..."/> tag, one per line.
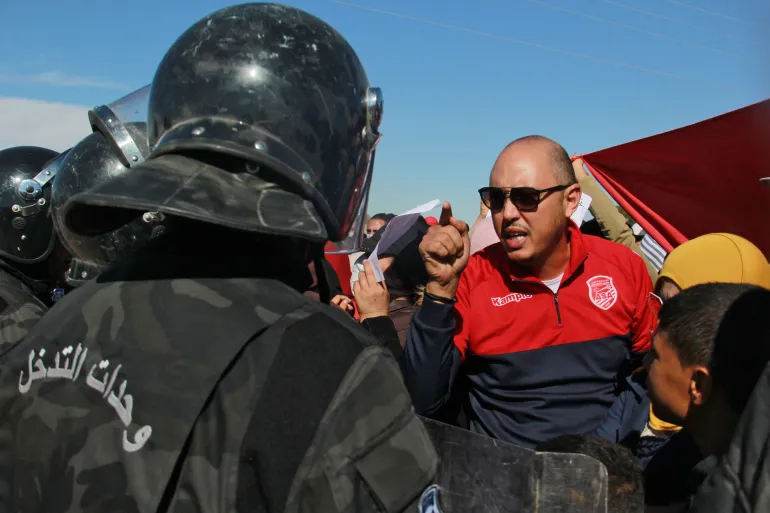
<point x="710" y="348"/>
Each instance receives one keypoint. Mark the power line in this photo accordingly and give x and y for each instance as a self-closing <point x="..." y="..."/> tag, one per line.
<point x="630" y="27"/>
<point x="674" y="20"/>
<point x="539" y="46"/>
<point x="712" y="13"/>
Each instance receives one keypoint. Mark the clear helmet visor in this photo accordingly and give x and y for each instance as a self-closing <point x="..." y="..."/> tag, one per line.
<point x="117" y="121"/>
<point x="354" y="237"/>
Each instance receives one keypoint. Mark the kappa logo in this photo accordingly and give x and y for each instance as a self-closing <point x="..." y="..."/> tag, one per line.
<point x="602" y="292"/>
<point x="514" y="297"/>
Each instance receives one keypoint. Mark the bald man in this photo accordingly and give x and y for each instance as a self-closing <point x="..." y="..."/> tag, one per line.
<point x="541" y="326"/>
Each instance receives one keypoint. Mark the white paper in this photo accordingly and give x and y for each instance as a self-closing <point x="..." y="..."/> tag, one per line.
<point x="582" y="209"/>
<point x="421" y="209"/>
<point x="395" y="229"/>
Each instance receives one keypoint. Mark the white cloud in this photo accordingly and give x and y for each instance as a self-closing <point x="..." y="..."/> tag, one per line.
<point x="57" y="78"/>
<point x="25" y="122"/>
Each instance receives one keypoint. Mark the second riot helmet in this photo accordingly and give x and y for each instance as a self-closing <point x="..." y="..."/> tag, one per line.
<point x="89" y="163"/>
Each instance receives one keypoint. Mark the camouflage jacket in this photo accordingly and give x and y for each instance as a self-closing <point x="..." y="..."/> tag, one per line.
<point x="19" y="310"/>
<point x="205" y="395"/>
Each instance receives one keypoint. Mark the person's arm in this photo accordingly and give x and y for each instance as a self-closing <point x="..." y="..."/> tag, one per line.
<point x="383" y="329"/>
<point x="610" y="428"/>
<point x="611" y="221"/>
<point x="373" y="300"/>
<point x="628" y="415"/>
<point x="431" y="361"/>
<point x="438" y="337"/>
<point x="435" y="348"/>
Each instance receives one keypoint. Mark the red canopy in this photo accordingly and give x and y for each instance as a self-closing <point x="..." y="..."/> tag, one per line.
<point x="702" y="178"/>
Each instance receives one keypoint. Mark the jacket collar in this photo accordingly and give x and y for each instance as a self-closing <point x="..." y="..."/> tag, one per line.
<point x="577" y="256"/>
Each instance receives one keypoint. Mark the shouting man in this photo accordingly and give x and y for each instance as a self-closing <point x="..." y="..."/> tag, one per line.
<point x="539" y="327"/>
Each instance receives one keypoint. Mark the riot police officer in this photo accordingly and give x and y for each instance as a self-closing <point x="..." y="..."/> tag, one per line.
<point x="194" y="375"/>
<point x="32" y="262"/>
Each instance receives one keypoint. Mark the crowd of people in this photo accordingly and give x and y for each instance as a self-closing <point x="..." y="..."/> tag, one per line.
<point x="600" y="343"/>
<point x="187" y="253"/>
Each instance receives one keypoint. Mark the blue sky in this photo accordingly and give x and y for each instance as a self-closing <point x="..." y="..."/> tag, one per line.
<point x="461" y="78"/>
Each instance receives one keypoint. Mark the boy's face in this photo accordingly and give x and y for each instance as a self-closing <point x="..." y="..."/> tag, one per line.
<point x="669" y="384"/>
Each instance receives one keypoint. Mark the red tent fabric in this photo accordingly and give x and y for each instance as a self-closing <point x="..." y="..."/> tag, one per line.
<point x="699" y="179"/>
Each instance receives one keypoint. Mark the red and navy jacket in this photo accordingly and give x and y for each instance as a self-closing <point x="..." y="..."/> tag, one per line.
<point x="535" y="364"/>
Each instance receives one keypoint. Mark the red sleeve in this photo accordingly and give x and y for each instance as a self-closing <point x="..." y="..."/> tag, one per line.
<point x="462" y="337"/>
<point x="644" y="316"/>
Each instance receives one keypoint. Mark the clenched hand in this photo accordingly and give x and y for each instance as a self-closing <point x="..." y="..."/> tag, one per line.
<point x="445" y="249"/>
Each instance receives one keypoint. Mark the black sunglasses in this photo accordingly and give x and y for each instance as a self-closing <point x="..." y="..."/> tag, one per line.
<point x="526" y="199"/>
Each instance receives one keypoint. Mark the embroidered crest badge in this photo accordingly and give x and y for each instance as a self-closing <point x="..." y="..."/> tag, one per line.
<point x="602" y="292"/>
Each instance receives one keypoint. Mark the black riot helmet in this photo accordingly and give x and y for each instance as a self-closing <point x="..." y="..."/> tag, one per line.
<point x="261" y="119"/>
<point x="26" y="231"/>
<point x="92" y="161"/>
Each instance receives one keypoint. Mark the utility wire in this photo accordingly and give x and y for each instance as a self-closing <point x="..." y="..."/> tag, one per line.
<point x="541" y="47"/>
<point x="635" y="29"/>
<point x="674" y="20"/>
<point x="712" y="13"/>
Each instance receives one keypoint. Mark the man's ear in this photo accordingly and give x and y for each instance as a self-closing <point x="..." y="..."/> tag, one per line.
<point x="701" y="386"/>
<point x="572" y="199"/>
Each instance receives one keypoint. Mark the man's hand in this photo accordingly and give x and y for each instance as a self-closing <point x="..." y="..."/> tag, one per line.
<point x="580" y="170"/>
<point x="372" y="298"/>
<point x="445" y="249"/>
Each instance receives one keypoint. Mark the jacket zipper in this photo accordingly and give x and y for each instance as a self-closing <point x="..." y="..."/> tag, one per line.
<point x="555" y="298"/>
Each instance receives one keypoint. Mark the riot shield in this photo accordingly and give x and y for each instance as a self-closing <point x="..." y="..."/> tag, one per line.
<point x="478" y="474"/>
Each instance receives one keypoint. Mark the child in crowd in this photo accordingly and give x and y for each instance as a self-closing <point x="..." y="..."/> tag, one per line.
<point x="716" y="257"/>
<point x="711" y="346"/>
